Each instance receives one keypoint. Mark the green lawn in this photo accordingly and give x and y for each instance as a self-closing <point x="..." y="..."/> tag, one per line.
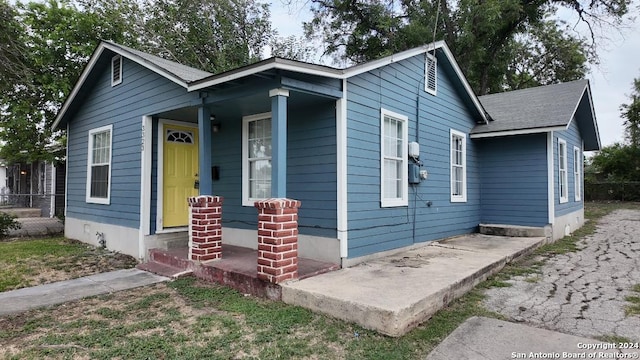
<point x="188" y="319"/>
<point x="36" y="261"/>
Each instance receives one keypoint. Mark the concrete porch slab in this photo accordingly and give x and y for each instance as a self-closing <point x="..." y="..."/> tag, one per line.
<point x="396" y="293"/>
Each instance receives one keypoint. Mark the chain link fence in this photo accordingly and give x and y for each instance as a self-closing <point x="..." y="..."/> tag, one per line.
<point x="38" y="214"/>
<point x="610" y="190"/>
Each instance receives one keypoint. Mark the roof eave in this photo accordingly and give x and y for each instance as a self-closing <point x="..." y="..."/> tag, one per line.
<point x="91" y="64"/>
<point x="500" y="133"/>
<point x="74" y="92"/>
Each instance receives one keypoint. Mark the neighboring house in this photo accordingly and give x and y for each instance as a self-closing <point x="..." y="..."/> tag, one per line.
<point x="382" y="155"/>
<point x="39" y="184"/>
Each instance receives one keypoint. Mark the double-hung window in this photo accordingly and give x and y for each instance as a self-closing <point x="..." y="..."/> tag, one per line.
<point x="563" y="178"/>
<point x="394" y="162"/>
<point x="256" y="158"/>
<point x="99" y="165"/>
<point x="577" y="167"/>
<point x="458" y="160"/>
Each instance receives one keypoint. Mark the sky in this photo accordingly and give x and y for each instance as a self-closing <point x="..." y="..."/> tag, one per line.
<point x="611" y="80"/>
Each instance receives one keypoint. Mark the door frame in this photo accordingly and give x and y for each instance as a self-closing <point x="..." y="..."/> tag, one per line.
<point x="160" y="175"/>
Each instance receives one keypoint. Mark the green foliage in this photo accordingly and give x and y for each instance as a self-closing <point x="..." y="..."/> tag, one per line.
<point x="617" y="162"/>
<point x="631" y="114"/>
<point x="499" y="44"/>
<point x="8" y="222"/>
<point x="45" y="46"/>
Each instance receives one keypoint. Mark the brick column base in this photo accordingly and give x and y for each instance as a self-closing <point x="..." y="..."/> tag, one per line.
<point x="205" y="228"/>
<point x="277" y="239"/>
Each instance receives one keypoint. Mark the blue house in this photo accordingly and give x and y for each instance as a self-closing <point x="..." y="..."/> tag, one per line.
<point x="383" y="155"/>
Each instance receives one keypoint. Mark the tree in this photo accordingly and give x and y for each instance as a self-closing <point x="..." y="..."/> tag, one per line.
<point x="292" y="47"/>
<point x="631" y="114"/>
<point x="45" y="46"/>
<point x="618" y="162"/>
<point x="485" y="36"/>
<point x="212" y="35"/>
<point x="12" y="50"/>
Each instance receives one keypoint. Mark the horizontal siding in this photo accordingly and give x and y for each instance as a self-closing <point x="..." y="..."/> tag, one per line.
<point x="573" y="138"/>
<point x="399" y="87"/>
<point x="514" y="180"/>
<point x="141" y="92"/>
<point x="311" y="169"/>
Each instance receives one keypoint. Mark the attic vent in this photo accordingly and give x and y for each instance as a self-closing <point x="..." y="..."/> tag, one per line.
<point x="431" y="72"/>
<point x="116" y="70"/>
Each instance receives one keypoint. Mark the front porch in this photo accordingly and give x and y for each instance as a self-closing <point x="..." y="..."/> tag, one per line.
<point x="237" y="269"/>
<point x="256" y="272"/>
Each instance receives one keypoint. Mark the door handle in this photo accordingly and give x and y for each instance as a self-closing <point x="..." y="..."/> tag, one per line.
<point x="196" y="184"/>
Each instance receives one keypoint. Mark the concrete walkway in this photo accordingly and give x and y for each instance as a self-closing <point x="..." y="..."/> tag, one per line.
<point x="490" y="339"/>
<point x="59" y="292"/>
<point x="394" y="294"/>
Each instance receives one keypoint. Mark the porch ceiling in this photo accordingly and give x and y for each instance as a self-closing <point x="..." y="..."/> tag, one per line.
<point x="236" y="108"/>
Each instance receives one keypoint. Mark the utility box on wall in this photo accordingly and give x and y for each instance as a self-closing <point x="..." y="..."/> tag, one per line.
<point x="414" y="174"/>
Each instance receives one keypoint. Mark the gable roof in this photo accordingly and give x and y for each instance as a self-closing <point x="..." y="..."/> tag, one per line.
<point x="185" y="74"/>
<point x="180" y="74"/>
<point x="444" y="54"/>
<point x="193" y="79"/>
<point x="541" y="109"/>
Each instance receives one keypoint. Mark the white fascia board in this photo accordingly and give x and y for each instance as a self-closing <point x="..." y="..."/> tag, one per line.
<point x="146" y="64"/>
<point x="517" y="132"/>
<point x="465" y="83"/>
<point x="266" y="67"/>
<point x="83" y="77"/>
<point x="372" y="65"/>
<point x="91" y="64"/>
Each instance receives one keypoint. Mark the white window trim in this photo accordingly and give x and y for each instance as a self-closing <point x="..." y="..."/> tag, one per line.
<point x="246" y="200"/>
<point x="404" y="200"/>
<point x="428" y="57"/>
<point x="561" y="164"/>
<point x="463" y="197"/>
<point x="577" y="173"/>
<point x="113" y="60"/>
<point x="89" y="198"/>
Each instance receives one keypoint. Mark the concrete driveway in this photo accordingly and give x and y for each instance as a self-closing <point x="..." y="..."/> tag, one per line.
<point x="582" y="293"/>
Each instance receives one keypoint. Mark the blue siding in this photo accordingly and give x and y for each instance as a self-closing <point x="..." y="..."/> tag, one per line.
<point x="573" y="138"/>
<point x="141" y="92"/>
<point x="311" y="169"/>
<point x="399" y="87"/>
<point x="514" y="180"/>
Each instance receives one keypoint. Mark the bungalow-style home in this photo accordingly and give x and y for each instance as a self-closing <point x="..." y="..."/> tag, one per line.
<point x="382" y="155"/>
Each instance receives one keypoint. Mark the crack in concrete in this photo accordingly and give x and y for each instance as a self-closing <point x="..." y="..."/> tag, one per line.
<point x="581" y="293"/>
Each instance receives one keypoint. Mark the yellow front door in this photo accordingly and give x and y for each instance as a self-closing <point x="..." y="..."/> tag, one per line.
<point x="180" y="173"/>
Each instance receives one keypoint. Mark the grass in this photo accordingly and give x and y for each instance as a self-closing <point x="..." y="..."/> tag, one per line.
<point x="633" y="308"/>
<point x="188" y="319"/>
<point x="28" y="262"/>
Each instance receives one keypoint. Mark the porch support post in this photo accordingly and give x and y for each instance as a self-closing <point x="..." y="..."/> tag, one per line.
<point x="204" y="151"/>
<point x="279" y="142"/>
<point x="277" y="239"/>
<point x="205" y="228"/>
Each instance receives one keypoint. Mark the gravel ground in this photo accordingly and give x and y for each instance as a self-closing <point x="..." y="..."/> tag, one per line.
<point x="582" y="293"/>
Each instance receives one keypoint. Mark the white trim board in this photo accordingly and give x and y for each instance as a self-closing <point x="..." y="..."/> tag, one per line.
<point x="341" y="172"/>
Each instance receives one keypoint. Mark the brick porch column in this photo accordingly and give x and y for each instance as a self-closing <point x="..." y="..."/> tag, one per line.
<point x="277" y="239"/>
<point x="205" y="228"/>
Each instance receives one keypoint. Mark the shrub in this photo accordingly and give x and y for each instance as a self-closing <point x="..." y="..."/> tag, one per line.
<point x="8" y="222"/>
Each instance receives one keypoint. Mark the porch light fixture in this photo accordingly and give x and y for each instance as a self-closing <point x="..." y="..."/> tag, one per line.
<point x="23" y="172"/>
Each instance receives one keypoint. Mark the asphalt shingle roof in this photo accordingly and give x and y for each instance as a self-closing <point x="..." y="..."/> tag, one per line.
<point x="538" y="107"/>
<point x="185" y="73"/>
